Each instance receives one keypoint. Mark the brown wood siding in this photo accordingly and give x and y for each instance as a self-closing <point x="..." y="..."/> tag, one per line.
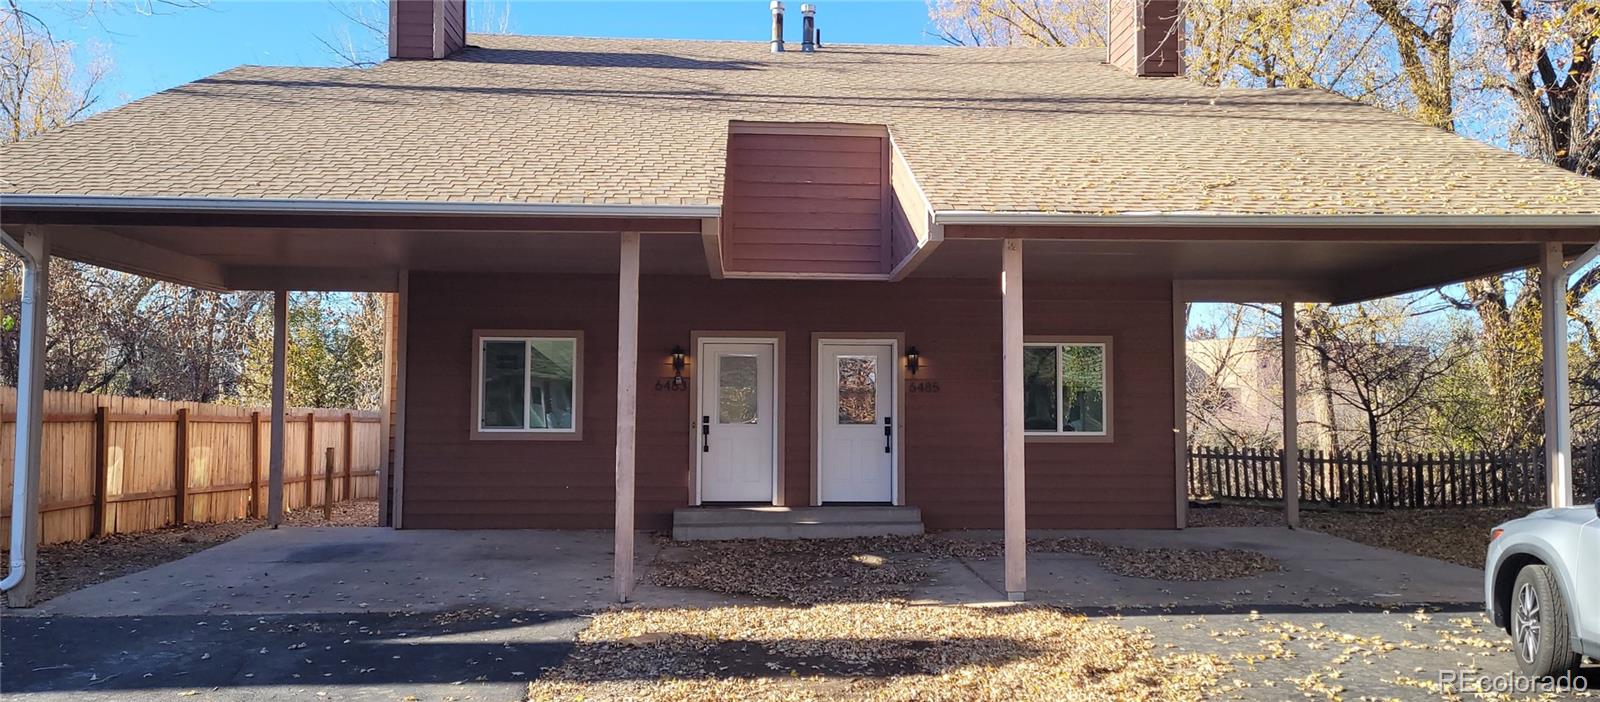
<point x="1120" y="46"/>
<point x="1158" y="23"/>
<point x="455" y="25"/>
<point x="1163" y="43"/>
<point x="952" y="446"/>
<point x="413" y="28"/>
<point x="805" y="203"/>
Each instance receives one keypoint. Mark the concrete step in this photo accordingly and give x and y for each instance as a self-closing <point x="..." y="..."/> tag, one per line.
<point x="832" y="522"/>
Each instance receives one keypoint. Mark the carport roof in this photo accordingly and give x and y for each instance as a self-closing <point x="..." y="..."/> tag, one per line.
<point x="644" y="122"/>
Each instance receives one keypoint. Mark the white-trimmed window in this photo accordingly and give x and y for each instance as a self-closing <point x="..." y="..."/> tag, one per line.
<point x="1067" y="388"/>
<point x="527" y="384"/>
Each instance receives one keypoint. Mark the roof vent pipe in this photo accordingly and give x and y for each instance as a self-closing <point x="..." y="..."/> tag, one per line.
<point x="808" y="26"/>
<point x="777" y="26"/>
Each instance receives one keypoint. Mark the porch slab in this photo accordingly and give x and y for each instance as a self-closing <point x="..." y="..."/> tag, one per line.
<point x="1318" y="571"/>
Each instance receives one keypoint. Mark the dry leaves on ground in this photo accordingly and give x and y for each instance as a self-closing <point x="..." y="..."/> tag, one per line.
<point x="810" y="571"/>
<point x="877" y="651"/>
<point x="350" y="513"/>
<point x="803" y="571"/>
<point x="1184" y="564"/>
<point x="1457" y="535"/>
<point x="76" y="565"/>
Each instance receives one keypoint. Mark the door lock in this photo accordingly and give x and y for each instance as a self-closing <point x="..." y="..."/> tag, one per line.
<point x="705" y="434"/>
<point x="888" y="434"/>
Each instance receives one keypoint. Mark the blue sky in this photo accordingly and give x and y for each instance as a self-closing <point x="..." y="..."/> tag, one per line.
<point x="151" y="53"/>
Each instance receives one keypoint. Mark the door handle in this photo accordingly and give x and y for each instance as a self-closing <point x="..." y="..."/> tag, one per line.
<point x="705" y="434"/>
<point x="888" y="434"/>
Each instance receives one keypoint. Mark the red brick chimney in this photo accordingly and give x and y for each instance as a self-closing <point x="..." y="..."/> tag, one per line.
<point x="426" y="29"/>
<point x="1145" y="37"/>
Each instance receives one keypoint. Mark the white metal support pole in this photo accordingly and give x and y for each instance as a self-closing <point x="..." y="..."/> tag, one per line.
<point x="23" y="577"/>
<point x="627" y="409"/>
<point x="1180" y="405"/>
<point x="1557" y="394"/>
<point x="1016" y="501"/>
<point x="1291" y="420"/>
<point x="280" y="357"/>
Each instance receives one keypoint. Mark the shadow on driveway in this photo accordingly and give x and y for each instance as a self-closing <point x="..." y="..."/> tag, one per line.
<point x="352" y="656"/>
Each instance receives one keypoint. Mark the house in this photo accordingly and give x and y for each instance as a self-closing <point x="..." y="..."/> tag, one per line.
<point x="638" y="280"/>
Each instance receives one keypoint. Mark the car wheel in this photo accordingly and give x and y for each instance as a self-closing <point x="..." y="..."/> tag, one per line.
<point x="1540" y="625"/>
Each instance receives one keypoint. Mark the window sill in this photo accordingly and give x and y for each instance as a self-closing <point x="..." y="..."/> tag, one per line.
<point x="477" y="435"/>
<point x="1066" y="438"/>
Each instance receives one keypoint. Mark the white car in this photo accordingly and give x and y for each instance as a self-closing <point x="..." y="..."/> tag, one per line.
<point x="1542" y="585"/>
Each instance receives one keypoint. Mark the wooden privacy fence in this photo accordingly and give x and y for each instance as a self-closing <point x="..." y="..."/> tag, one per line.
<point x="123" y="464"/>
<point x="1449" y="479"/>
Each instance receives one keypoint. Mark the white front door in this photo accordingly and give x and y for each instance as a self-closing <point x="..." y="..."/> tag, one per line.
<point x="855" y="407"/>
<point x="738" y="421"/>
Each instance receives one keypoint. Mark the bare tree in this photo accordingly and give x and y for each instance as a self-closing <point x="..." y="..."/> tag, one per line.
<point x="1545" y="61"/>
<point x="1019" y="22"/>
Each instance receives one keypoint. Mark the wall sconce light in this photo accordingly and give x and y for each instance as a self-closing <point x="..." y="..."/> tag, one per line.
<point x="677" y="365"/>
<point x="913" y="360"/>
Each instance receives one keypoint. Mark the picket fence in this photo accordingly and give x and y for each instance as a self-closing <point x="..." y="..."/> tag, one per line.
<point x="115" y="464"/>
<point x="1400" y="480"/>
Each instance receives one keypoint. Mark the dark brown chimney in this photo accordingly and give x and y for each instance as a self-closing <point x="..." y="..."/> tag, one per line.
<point x="426" y="29"/>
<point x="1145" y="37"/>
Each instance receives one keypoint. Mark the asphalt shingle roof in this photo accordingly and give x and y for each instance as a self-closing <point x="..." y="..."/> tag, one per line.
<point x="567" y="120"/>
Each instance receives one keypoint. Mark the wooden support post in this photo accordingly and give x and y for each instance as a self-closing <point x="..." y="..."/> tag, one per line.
<point x="627" y="409"/>
<point x="1011" y="349"/>
<point x="311" y="457"/>
<point x="255" y="466"/>
<point x="349" y="452"/>
<point x="1291" y="420"/>
<point x="102" y="469"/>
<point x="180" y="473"/>
<point x="1557" y="393"/>
<point x="396" y="489"/>
<point x="280" y="352"/>
<point x="327" y="488"/>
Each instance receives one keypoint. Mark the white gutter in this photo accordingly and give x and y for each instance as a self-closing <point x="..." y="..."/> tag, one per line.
<point x="21" y="486"/>
<point x="391" y="207"/>
<point x="1227" y="219"/>
<point x="1584" y="258"/>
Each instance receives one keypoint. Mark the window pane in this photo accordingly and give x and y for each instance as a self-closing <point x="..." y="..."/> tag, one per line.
<point x="1039" y="388"/>
<point x="736" y="389"/>
<point x="858" y="390"/>
<point x="503" y="376"/>
<point x="550" y="379"/>
<point x="1083" y="388"/>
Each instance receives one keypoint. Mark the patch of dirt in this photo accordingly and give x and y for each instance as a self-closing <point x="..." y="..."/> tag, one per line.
<point x="75" y="565"/>
<point x="78" y="564"/>
<point x="869" y="651"/>
<point x="802" y="571"/>
<point x="811" y="571"/>
<point x="1456" y="535"/>
<point x="350" y="513"/>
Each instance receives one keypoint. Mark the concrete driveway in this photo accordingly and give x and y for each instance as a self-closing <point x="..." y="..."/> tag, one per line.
<point x="377" y="614"/>
<point x="1341" y="620"/>
<point x="345" y="613"/>
<point x="1318" y="570"/>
